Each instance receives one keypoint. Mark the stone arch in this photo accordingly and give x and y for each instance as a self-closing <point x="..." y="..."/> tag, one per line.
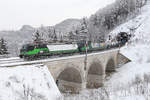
<point x="110" y="66"/>
<point x="95" y="75"/>
<point x="71" y="75"/>
<point x="96" y="68"/>
<point x="69" y="80"/>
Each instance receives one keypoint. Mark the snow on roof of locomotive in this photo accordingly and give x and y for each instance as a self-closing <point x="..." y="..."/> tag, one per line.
<point x="56" y="47"/>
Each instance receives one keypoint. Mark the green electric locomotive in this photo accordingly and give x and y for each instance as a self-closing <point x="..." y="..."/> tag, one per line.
<point x="43" y="49"/>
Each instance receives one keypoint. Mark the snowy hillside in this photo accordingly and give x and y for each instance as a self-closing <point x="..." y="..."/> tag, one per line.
<point x="131" y="81"/>
<point x="138" y="49"/>
<point x="27" y="83"/>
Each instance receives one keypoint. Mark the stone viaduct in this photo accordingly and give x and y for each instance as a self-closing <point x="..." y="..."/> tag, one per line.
<point x="73" y="73"/>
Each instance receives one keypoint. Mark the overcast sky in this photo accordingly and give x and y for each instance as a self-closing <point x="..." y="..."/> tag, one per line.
<point x="15" y="13"/>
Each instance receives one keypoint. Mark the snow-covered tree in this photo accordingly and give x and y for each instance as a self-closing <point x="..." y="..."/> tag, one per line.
<point x="61" y="38"/>
<point x="54" y="36"/>
<point x="140" y="3"/>
<point x="50" y="34"/>
<point x="106" y="19"/>
<point x="72" y="36"/>
<point x="37" y="36"/>
<point x="3" y="47"/>
<point x="84" y="32"/>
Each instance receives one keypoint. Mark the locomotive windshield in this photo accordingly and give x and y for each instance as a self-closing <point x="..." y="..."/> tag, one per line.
<point x="27" y="47"/>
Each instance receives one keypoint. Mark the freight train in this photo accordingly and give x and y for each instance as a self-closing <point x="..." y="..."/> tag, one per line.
<point x="35" y="50"/>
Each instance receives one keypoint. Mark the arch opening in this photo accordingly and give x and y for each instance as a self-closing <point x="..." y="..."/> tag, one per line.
<point x="69" y="80"/>
<point x="95" y="75"/>
<point x="110" y="67"/>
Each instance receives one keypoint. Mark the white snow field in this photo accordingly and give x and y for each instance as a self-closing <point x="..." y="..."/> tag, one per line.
<point x="131" y="81"/>
<point x="27" y="83"/>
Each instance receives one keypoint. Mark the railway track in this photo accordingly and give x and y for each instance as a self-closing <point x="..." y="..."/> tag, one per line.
<point x="8" y="59"/>
<point x="11" y="61"/>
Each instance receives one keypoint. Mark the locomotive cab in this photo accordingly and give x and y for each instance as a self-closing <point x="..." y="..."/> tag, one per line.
<point x="26" y="48"/>
<point x="32" y="50"/>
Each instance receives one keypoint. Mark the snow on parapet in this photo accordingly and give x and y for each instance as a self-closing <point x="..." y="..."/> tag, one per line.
<point x="27" y="83"/>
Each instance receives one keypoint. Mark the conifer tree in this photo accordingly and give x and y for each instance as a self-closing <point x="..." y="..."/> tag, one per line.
<point x="50" y="34"/>
<point x="84" y="29"/>
<point x="54" y="36"/>
<point x="3" y="47"/>
<point x="71" y="37"/>
<point x="37" y="36"/>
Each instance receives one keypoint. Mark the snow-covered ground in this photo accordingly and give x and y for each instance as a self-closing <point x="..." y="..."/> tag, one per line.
<point x="138" y="51"/>
<point x="129" y="81"/>
<point x="27" y="83"/>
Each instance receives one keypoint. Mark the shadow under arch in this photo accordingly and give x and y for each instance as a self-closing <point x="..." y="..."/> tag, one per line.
<point x="110" y="66"/>
<point x="69" y="80"/>
<point x="95" y="75"/>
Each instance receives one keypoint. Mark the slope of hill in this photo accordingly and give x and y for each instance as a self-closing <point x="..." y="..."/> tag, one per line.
<point x="27" y="28"/>
<point x="131" y="81"/>
<point x="135" y="74"/>
<point x="67" y="25"/>
<point x="27" y="83"/>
